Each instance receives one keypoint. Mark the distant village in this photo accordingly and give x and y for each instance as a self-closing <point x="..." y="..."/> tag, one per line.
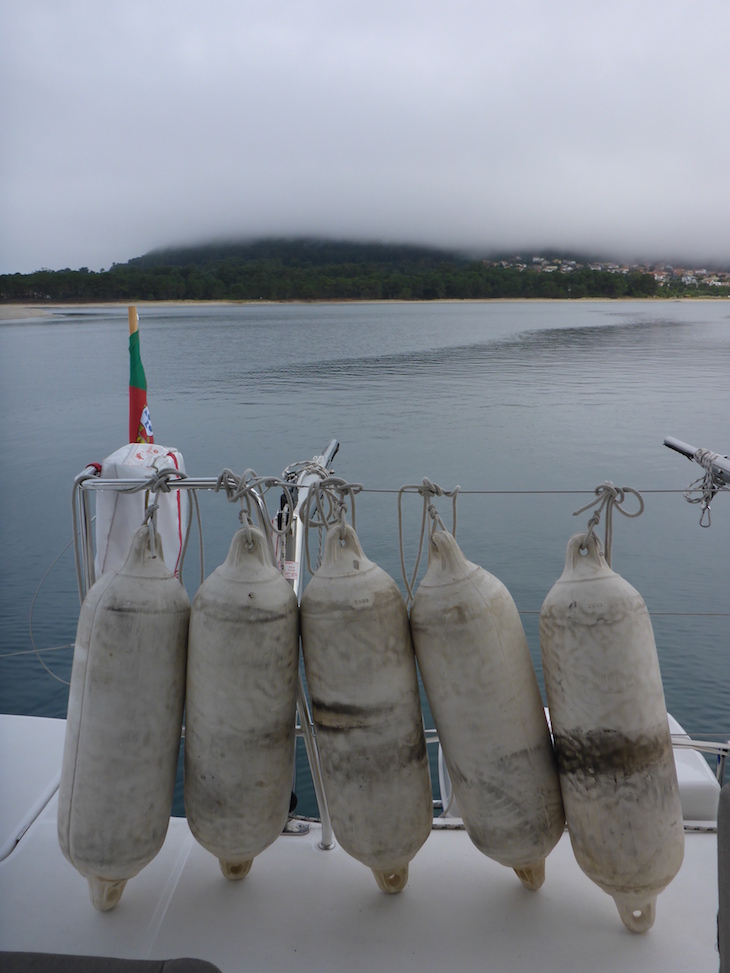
<point x="664" y="274"/>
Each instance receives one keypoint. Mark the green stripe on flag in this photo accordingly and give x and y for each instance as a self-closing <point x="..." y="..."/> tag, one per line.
<point x="137" y="379"/>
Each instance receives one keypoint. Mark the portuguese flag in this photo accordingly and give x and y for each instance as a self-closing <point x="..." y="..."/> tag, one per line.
<point x="140" y="424"/>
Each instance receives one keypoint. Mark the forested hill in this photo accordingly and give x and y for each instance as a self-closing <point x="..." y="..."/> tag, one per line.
<point x="310" y="269"/>
<point x="303" y="252"/>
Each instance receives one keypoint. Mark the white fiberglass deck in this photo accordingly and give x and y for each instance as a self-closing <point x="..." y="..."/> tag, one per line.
<point x="307" y="909"/>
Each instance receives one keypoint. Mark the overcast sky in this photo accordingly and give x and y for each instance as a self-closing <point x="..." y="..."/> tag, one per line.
<point x="127" y="125"/>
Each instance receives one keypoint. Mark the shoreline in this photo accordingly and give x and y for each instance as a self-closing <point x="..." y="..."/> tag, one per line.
<point x="20" y="311"/>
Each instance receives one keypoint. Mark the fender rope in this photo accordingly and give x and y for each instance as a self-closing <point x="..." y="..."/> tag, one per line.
<point x="428" y="490"/>
<point x="610" y="497"/>
<point x="708" y="485"/>
<point x="249" y="490"/>
<point x="325" y="507"/>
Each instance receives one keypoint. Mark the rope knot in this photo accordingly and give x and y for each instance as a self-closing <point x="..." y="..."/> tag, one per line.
<point x="608" y="497"/>
<point x="707" y="486"/>
<point x="428" y="490"/>
<point x="250" y="490"/>
<point x="326" y="506"/>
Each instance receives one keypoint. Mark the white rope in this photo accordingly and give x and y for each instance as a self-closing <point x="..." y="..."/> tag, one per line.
<point x="609" y="497"/>
<point x="428" y="490"/>
<point x="250" y="491"/>
<point x="708" y="485"/>
<point x="325" y="507"/>
<point x="160" y="482"/>
<point x="150" y="518"/>
<point x="305" y="467"/>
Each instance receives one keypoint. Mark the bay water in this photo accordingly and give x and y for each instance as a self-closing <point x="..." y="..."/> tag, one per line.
<point x="528" y="406"/>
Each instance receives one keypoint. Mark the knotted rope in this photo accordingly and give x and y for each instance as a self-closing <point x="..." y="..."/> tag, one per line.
<point x="249" y="490"/>
<point x="610" y="498"/>
<point x="707" y="485"/>
<point x="302" y="467"/>
<point x="325" y="507"/>
<point x="159" y="483"/>
<point x="428" y="490"/>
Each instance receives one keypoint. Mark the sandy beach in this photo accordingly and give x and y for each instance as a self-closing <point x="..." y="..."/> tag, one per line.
<point x="17" y="312"/>
<point x="20" y="312"/>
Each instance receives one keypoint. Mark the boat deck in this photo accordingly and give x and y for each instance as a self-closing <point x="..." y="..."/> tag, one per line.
<point x="308" y="909"/>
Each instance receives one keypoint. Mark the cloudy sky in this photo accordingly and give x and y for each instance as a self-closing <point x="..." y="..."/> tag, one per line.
<point x="127" y="125"/>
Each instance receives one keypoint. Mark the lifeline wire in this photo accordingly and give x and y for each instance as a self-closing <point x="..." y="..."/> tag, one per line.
<point x="428" y="490"/>
<point x="30" y="619"/>
<point x="610" y="497"/>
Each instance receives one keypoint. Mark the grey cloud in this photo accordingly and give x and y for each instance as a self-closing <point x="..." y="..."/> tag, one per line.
<point x="128" y="125"/>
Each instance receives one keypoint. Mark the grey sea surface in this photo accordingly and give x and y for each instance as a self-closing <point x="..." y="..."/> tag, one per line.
<point x="528" y="406"/>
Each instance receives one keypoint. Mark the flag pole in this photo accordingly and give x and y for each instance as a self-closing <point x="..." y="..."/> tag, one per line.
<point x="140" y="426"/>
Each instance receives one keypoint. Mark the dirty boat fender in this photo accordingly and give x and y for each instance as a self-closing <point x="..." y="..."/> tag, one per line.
<point x="241" y="705"/>
<point x="361" y="674"/>
<point x="483" y="693"/>
<point x="124" y="721"/>
<point x="612" y="737"/>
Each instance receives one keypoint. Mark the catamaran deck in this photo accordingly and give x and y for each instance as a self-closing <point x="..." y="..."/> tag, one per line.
<point x="304" y="908"/>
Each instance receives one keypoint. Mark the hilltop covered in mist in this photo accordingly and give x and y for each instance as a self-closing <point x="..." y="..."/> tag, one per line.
<point x="281" y="269"/>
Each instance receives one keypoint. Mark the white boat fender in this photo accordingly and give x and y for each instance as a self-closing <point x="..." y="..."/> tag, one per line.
<point x="481" y="686"/>
<point x="124" y="721"/>
<point x="240" y="721"/>
<point x="609" y="720"/>
<point x="361" y="674"/>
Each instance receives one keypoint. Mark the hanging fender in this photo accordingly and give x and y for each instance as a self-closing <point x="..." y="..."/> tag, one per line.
<point x="612" y="738"/>
<point x="240" y="721"/>
<point x="481" y="686"/>
<point x="124" y="721"/>
<point x="361" y="673"/>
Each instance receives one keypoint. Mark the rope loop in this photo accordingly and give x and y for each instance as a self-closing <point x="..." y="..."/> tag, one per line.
<point x="295" y="471"/>
<point x="159" y="482"/>
<point x="708" y="485"/>
<point x="428" y="490"/>
<point x="326" y="507"/>
<point x="610" y="498"/>
<point x="249" y="490"/>
<point x="150" y="518"/>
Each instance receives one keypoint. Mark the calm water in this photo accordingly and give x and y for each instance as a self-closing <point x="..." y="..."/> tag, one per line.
<point x="492" y="396"/>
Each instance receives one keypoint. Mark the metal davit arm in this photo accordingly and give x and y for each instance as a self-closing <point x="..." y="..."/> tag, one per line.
<point x="719" y="465"/>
